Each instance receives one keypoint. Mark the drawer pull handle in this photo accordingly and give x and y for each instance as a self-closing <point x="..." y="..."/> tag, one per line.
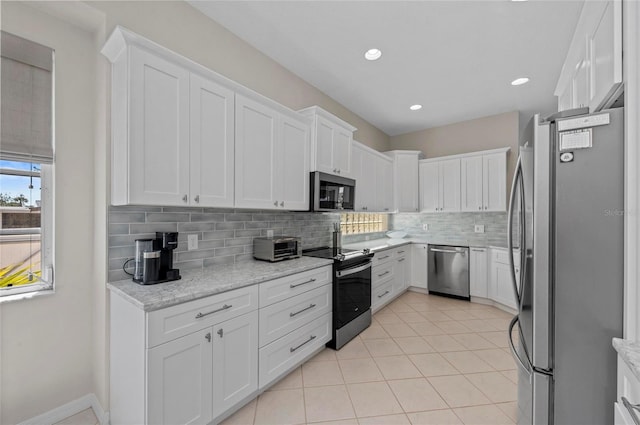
<point x="382" y="258"/>
<point x="303" y="283"/>
<point x="380" y="296"/>
<point x="224" y="307"/>
<point x="221" y="332"/>
<point x="401" y="260"/>
<point x="304" y="309"/>
<point x="382" y="274"/>
<point x="208" y="337"/>
<point x="292" y="349"/>
<point x="400" y="252"/>
<point x="632" y="410"/>
<point x="477" y="250"/>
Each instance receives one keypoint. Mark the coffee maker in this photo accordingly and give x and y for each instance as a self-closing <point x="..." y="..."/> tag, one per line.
<point x="166" y="242"/>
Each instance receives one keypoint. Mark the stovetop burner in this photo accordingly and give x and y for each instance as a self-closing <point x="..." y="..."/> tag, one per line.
<point x="339" y="254"/>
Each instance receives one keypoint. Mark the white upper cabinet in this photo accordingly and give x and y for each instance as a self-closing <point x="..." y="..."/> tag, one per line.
<point x="484" y="181"/>
<point x="178" y="134"/>
<point x="440" y="185"/>
<point x="255" y="154"/>
<point x="592" y="72"/>
<point x="373" y="173"/>
<point x="331" y="142"/>
<point x="212" y="143"/>
<point x="272" y="165"/>
<point x="405" y="180"/>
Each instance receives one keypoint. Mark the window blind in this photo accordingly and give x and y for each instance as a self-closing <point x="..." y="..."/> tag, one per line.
<point x="26" y="94"/>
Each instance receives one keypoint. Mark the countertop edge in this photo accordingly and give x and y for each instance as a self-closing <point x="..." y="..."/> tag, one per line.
<point x="629" y="351"/>
<point x="214" y="289"/>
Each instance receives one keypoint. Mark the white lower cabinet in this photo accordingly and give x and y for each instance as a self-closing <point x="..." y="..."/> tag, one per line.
<point x="478" y="272"/>
<point x="235" y="361"/>
<point x="419" y="265"/>
<point x="180" y="384"/>
<point x="629" y="388"/>
<point x="199" y="361"/>
<point x="500" y="284"/>
<point x="390" y="275"/>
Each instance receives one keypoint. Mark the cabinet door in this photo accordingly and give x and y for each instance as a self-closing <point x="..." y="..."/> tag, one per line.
<point x="367" y="188"/>
<point x="606" y="55"/>
<point x="580" y="83"/>
<point x="478" y="272"/>
<point x="324" y="145"/>
<point x="449" y="190"/>
<point x="494" y="182"/>
<point x="179" y="380"/>
<point x="384" y="184"/>
<point x="419" y="265"/>
<point x="471" y="188"/>
<point x="429" y="186"/>
<point x="159" y="131"/>
<point x="212" y="144"/>
<point x="255" y="154"/>
<point x="357" y="159"/>
<point x="405" y="184"/>
<point x="565" y="98"/>
<point x="235" y="361"/>
<point x="503" y="285"/>
<point x="342" y="143"/>
<point x="293" y="164"/>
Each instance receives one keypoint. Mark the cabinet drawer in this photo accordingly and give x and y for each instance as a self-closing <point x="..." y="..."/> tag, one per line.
<point x="502" y="256"/>
<point x="173" y="322"/>
<point x="281" y="318"/>
<point x="287" y="352"/>
<point x="289" y="286"/>
<point x="381" y="273"/>
<point x="382" y="294"/>
<point x="382" y="257"/>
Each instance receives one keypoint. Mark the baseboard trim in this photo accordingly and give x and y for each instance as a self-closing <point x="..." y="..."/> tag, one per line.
<point x="70" y="409"/>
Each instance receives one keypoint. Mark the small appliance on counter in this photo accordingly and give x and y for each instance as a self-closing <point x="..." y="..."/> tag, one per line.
<point x="277" y="248"/>
<point x="154" y="259"/>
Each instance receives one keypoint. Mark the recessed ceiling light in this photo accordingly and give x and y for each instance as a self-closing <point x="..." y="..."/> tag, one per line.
<point x="415" y="107"/>
<point x="519" y="81"/>
<point x="518" y="0"/>
<point x="373" y="54"/>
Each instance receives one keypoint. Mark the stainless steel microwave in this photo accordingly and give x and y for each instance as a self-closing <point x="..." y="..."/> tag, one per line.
<point x="332" y="193"/>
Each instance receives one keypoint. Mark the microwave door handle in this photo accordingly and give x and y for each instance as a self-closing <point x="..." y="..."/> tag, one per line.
<point x="353" y="270"/>
<point x="517" y="177"/>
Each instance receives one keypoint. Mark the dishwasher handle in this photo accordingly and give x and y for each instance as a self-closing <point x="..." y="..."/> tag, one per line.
<point x="448" y="251"/>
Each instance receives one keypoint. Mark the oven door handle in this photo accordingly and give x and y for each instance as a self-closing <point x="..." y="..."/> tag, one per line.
<point x="353" y="270"/>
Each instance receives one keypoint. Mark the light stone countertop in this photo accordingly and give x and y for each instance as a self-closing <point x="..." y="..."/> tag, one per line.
<point x="212" y="280"/>
<point x="629" y="351"/>
<point x="381" y="244"/>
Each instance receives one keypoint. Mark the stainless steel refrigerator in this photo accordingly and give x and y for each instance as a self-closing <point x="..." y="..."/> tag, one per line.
<point x="566" y="205"/>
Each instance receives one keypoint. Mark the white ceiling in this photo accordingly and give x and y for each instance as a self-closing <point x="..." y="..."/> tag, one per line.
<point x="457" y="58"/>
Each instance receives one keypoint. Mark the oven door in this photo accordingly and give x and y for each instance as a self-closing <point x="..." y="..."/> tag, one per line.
<point x="352" y="291"/>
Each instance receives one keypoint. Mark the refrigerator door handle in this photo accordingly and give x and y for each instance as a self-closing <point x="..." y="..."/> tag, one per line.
<point x="525" y="366"/>
<point x="517" y="178"/>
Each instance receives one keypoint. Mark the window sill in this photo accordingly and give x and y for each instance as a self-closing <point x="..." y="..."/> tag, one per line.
<point x="25" y="295"/>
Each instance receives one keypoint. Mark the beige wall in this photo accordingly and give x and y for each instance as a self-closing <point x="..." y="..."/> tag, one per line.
<point x="495" y="131"/>
<point x="46" y="342"/>
<point x="185" y="30"/>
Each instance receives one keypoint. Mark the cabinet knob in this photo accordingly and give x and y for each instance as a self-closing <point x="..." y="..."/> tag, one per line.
<point x="220" y="332"/>
<point x="197" y="198"/>
<point x="282" y="204"/>
<point x="479" y="208"/>
<point x="208" y="337"/>
<point x="338" y="171"/>
<point x="485" y="207"/>
<point x="185" y="198"/>
<point x="275" y="204"/>
<point x="386" y="209"/>
<point x="335" y="170"/>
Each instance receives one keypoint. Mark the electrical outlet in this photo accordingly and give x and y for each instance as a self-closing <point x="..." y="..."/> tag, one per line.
<point x="192" y="242"/>
<point x="270" y="233"/>
<point x="479" y="228"/>
<point x="425" y="227"/>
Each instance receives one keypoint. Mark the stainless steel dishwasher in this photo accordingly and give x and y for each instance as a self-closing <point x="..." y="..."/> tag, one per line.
<point x="449" y="270"/>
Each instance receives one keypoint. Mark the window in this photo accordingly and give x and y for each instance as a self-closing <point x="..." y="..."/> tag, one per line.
<point x="26" y="168"/>
<point x="354" y="223"/>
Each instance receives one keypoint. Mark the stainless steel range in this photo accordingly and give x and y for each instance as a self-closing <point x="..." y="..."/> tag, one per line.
<point x="351" y="291"/>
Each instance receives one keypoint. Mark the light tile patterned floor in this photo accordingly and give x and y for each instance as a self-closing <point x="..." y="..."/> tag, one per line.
<point x="424" y="360"/>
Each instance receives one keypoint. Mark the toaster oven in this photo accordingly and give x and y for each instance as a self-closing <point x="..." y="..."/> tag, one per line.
<point x="277" y="248"/>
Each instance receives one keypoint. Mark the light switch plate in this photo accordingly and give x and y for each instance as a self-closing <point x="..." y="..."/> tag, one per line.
<point x="479" y="228"/>
<point x="192" y="242"/>
<point x="425" y="226"/>
<point x="270" y="233"/>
